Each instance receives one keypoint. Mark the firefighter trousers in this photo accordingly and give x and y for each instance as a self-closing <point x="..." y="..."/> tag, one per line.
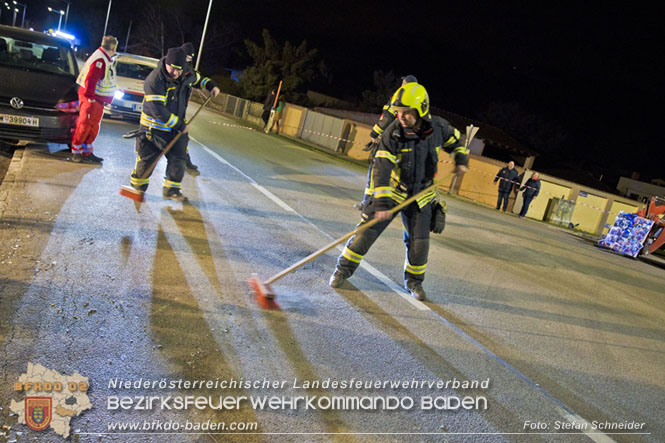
<point x="148" y="148"/>
<point x="416" y="223"/>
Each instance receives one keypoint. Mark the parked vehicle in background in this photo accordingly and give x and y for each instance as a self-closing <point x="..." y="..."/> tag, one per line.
<point x="131" y="71"/>
<point x="38" y="91"/>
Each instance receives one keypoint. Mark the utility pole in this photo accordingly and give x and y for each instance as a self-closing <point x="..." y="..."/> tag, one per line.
<point x="205" y="27"/>
<point x="66" y="14"/>
<point x="127" y="39"/>
<point x="23" y="6"/>
<point x="108" y="12"/>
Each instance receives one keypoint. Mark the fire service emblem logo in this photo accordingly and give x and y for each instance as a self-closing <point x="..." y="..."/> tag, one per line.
<point x="38" y="412"/>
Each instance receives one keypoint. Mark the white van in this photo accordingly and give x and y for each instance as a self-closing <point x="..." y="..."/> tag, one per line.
<point x="131" y="71"/>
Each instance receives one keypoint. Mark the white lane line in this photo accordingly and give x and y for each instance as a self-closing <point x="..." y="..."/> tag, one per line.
<point x="563" y="410"/>
<point x="366" y="266"/>
<point x="587" y="429"/>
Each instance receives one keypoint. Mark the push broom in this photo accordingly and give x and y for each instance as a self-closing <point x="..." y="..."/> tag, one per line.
<point x="139" y="196"/>
<point x="264" y="293"/>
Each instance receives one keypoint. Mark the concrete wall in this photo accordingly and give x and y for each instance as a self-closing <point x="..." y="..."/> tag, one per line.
<point x="640" y="189"/>
<point x="477" y="183"/>
<point x="588" y="211"/>
<point x="292" y="120"/>
<point x="358" y="138"/>
<point x="323" y="130"/>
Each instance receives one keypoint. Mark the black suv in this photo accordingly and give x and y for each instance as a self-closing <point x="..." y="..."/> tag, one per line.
<point x="38" y="90"/>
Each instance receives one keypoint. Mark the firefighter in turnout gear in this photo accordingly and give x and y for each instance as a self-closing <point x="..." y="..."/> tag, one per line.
<point x="162" y="118"/>
<point x="97" y="85"/>
<point x="387" y="117"/>
<point x="199" y="81"/>
<point x="405" y="164"/>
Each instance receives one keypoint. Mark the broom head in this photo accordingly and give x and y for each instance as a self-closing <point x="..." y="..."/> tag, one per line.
<point x="263" y="293"/>
<point x="134" y="194"/>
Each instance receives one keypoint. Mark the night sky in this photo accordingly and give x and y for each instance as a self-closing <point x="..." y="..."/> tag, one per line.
<point x="594" y="70"/>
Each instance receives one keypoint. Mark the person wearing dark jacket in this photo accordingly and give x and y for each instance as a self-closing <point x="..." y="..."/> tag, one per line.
<point x="531" y="190"/>
<point x="200" y="82"/>
<point x="405" y="164"/>
<point x="507" y="178"/>
<point x="387" y="116"/>
<point x="162" y="118"/>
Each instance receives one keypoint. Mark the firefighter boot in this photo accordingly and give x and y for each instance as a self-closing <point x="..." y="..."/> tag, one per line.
<point x="336" y="279"/>
<point x="416" y="290"/>
<point x="93" y="158"/>
<point x="173" y="194"/>
<point x="191" y="165"/>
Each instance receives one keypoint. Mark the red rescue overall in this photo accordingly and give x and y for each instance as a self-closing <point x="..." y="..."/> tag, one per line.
<point x="96" y="88"/>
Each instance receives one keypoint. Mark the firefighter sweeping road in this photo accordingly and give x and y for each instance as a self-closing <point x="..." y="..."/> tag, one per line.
<point x="529" y="333"/>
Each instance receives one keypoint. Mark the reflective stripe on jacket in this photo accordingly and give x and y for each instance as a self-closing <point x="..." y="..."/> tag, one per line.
<point x="165" y="100"/>
<point x="406" y="161"/>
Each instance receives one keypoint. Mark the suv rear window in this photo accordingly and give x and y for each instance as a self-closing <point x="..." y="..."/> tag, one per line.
<point x="35" y="56"/>
<point x="133" y="70"/>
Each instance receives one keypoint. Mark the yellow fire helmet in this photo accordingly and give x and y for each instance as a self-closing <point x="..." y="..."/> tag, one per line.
<point x="412" y="95"/>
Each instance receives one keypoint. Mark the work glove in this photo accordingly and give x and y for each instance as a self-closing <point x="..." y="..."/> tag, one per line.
<point x="371" y="146"/>
<point x="439" y="208"/>
<point x="133" y="134"/>
<point x="438" y="223"/>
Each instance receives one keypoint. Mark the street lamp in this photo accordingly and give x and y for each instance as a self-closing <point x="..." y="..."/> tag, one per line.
<point x="9" y="8"/>
<point x="61" y="12"/>
<point x="108" y="12"/>
<point x="66" y="12"/>
<point x="203" y="35"/>
<point x="23" y="5"/>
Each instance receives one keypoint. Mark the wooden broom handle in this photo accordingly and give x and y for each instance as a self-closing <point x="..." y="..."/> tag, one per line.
<point x="168" y="147"/>
<point x="359" y="229"/>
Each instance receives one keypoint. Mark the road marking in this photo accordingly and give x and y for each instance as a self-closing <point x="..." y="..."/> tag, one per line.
<point x="562" y="409"/>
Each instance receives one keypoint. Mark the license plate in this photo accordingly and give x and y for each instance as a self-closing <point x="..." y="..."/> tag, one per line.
<point x="137" y="108"/>
<point x="19" y="120"/>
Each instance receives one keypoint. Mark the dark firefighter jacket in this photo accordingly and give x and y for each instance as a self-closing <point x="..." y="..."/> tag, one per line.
<point x="531" y="188"/>
<point x="387" y="117"/>
<point x="165" y="100"/>
<point x="196" y="80"/>
<point x="506" y="178"/>
<point x="406" y="161"/>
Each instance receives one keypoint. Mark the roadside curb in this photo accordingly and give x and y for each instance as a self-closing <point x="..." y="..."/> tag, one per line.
<point x="9" y="180"/>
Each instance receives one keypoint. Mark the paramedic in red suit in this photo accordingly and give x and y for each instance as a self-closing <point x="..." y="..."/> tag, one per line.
<point x="96" y="88"/>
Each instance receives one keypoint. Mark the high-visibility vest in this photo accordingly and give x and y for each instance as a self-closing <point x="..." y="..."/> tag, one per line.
<point x="107" y="86"/>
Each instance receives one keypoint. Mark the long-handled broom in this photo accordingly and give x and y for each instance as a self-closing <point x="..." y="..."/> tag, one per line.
<point x="264" y="293"/>
<point x="262" y="290"/>
<point x="139" y="196"/>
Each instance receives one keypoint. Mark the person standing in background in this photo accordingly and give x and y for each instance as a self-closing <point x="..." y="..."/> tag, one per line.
<point x="507" y="177"/>
<point x="97" y="85"/>
<point x="531" y="190"/>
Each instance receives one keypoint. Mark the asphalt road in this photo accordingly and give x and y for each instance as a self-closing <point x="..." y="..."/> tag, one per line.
<point x="565" y="333"/>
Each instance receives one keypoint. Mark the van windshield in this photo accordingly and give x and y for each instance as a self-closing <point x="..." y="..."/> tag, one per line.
<point x="34" y="56"/>
<point x="133" y="70"/>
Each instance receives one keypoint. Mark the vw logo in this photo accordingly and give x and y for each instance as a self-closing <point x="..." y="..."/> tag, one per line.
<point x="16" y="103"/>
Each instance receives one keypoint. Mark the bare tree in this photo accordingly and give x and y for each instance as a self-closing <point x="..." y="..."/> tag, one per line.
<point x="150" y="36"/>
